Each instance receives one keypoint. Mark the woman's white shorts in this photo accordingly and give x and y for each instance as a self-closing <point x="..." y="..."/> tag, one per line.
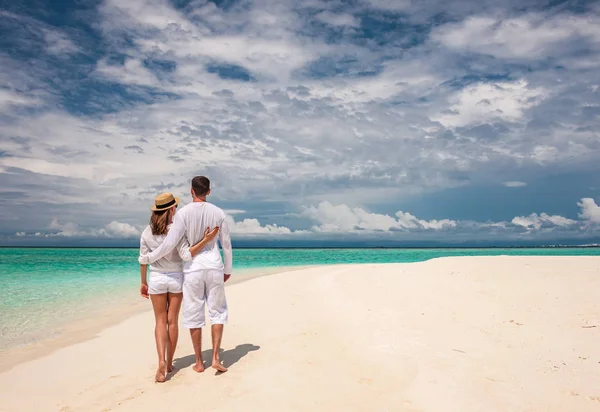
<point x="159" y="283"/>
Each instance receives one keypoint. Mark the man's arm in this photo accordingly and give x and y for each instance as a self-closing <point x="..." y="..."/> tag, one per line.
<point x="176" y="233"/>
<point x="225" y="241"/>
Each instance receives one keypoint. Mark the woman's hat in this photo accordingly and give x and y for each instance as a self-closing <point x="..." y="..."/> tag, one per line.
<point x="164" y="201"/>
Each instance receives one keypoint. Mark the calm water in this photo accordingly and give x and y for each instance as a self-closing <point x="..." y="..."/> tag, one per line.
<point x="43" y="289"/>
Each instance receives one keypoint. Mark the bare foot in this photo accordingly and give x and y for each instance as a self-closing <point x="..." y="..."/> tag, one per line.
<point x="218" y="366"/>
<point x="170" y="368"/>
<point x="160" y="374"/>
<point x="198" y="367"/>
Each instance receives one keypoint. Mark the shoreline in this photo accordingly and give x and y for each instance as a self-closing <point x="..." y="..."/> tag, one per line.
<point x="84" y="329"/>
<point x="80" y="330"/>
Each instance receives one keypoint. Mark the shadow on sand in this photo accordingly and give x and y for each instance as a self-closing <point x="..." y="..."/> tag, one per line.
<point x="228" y="358"/>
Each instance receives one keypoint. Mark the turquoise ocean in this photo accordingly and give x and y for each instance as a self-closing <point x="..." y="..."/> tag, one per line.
<point x="45" y="289"/>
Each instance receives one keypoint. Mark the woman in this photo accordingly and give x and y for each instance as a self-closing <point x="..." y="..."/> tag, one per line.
<point x="164" y="285"/>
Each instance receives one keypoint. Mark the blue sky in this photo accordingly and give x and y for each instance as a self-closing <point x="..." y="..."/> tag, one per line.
<point x="398" y="122"/>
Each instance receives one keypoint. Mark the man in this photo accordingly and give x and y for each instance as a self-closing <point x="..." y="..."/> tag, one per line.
<point x="205" y="275"/>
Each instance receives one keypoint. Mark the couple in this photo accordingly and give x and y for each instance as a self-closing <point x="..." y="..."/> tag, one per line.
<point x="180" y="272"/>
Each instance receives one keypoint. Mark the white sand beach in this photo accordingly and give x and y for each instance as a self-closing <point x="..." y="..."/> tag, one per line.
<point x="452" y="334"/>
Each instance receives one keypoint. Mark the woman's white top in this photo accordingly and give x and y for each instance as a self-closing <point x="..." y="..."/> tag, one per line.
<point x="172" y="262"/>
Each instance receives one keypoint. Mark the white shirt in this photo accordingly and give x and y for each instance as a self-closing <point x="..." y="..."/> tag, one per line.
<point x="190" y="223"/>
<point x="170" y="263"/>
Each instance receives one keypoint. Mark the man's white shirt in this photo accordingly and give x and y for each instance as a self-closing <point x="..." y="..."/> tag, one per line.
<point x="191" y="222"/>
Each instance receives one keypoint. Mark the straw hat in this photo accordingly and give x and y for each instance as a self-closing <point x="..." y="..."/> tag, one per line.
<point x="164" y="201"/>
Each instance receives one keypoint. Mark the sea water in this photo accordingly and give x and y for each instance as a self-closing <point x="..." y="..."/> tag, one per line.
<point x="43" y="289"/>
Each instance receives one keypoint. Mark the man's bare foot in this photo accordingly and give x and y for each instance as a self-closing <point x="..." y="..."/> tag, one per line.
<point x="198" y="367"/>
<point x="170" y="368"/>
<point x="218" y="366"/>
<point x="160" y="374"/>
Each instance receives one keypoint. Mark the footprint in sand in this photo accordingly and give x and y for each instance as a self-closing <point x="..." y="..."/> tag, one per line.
<point x="516" y="323"/>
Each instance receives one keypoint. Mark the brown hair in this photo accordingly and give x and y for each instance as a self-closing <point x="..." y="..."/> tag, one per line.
<point x="159" y="221"/>
<point x="200" y="185"/>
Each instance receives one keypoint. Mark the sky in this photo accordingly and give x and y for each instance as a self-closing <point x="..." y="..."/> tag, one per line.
<point x="377" y="122"/>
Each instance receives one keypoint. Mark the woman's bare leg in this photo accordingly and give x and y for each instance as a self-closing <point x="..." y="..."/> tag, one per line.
<point x="159" y="304"/>
<point x="174" y="305"/>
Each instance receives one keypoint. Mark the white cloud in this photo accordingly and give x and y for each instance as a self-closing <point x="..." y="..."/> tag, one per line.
<point x="531" y="36"/>
<point x="121" y="230"/>
<point x="253" y="227"/>
<point x="131" y="72"/>
<point x="338" y="19"/>
<point x="590" y="211"/>
<point x="390" y="5"/>
<point x="113" y="229"/>
<point x="150" y="14"/>
<point x="13" y="98"/>
<point x="68" y="229"/>
<point x="489" y="102"/>
<point x="535" y="221"/>
<point x="59" y="44"/>
<point x="268" y="48"/>
<point x="334" y="220"/>
<point x="342" y="218"/>
<point x="234" y="211"/>
<point x="514" y="184"/>
<point x="56" y="41"/>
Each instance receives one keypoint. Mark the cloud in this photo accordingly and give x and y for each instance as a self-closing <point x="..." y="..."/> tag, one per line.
<point x="531" y="36"/>
<point x="330" y="221"/>
<point x="234" y="211"/>
<point x="590" y="211"/>
<point x="112" y="230"/>
<point x="535" y="221"/>
<point x="14" y="98"/>
<point x="362" y="106"/>
<point x="253" y="227"/>
<point x="488" y="102"/>
<point x="37" y="33"/>
<point x="390" y="5"/>
<point x="130" y="72"/>
<point x="338" y="19"/>
<point x="514" y="184"/>
<point x="342" y="218"/>
<point x="59" y="43"/>
<point x="121" y="230"/>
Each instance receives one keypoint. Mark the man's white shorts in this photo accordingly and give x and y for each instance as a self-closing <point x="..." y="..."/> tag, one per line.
<point x="159" y="283"/>
<point x="200" y="289"/>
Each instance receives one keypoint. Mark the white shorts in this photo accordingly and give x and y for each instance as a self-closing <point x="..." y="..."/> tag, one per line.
<point x="200" y="289"/>
<point x="159" y="283"/>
